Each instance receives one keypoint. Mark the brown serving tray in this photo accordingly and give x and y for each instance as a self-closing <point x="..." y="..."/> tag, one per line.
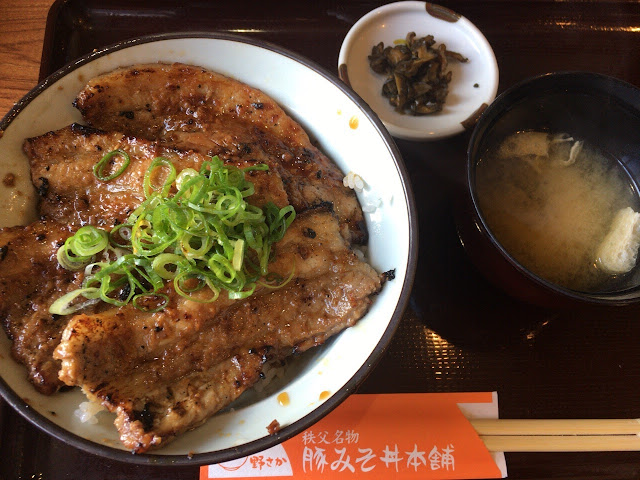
<point x="459" y="333"/>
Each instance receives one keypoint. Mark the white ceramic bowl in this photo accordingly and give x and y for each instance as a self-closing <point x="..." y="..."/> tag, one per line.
<point x="324" y="107"/>
<point x="473" y="86"/>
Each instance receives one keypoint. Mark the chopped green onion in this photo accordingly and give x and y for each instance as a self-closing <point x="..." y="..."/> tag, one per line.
<point x="65" y="304"/>
<point x="78" y="250"/>
<point x="98" y="168"/>
<point x="145" y="302"/>
<point x="164" y="260"/>
<point x="89" y="241"/>
<point x="238" y="254"/>
<point x="157" y="164"/>
<point x="205" y="238"/>
<point x="274" y="281"/>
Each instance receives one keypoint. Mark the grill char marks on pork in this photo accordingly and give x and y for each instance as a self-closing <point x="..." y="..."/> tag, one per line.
<point x="169" y="409"/>
<point x="63" y="161"/>
<point x="30" y="280"/>
<point x="112" y="355"/>
<point x="193" y="108"/>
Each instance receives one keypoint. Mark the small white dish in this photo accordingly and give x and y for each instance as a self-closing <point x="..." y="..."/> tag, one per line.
<point x="473" y="86"/>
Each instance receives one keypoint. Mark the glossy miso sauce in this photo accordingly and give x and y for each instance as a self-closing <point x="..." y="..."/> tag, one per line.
<point x="551" y="207"/>
<point x="283" y="399"/>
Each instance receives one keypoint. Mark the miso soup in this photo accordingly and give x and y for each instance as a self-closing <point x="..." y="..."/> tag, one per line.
<point x="550" y="200"/>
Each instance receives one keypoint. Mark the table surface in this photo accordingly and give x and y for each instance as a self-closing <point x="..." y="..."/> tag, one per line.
<point x="459" y="333"/>
<point x="22" y="26"/>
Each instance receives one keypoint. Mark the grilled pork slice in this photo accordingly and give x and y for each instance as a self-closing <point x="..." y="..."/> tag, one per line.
<point x="193" y="108"/>
<point x="168" y="409"/>
<point x="126" y="359"/>
<point x="30" y="280"/>
<point x="62" y="170"/>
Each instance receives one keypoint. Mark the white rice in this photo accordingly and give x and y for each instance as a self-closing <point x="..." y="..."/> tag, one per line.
<point x="87" y="412"/>
<point x="353" y="181"/>
<point x="371" y="205"/>
<point x="360" y="252"/>
<point x="373" y="202"/>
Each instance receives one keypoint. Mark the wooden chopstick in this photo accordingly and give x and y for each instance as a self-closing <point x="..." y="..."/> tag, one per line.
<point x="487" y="426"/>
<point x="560" y="443"/>
<point x="588" y="435"/>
